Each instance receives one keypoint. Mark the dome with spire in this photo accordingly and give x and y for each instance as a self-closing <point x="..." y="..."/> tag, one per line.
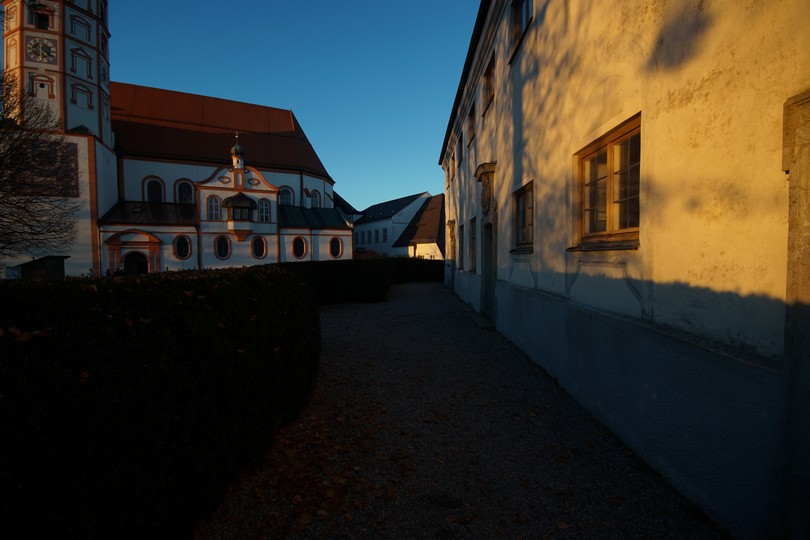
<point x="237" y="150"/>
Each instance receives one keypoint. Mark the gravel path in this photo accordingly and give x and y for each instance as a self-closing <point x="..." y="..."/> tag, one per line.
<point x="425" y="425"/>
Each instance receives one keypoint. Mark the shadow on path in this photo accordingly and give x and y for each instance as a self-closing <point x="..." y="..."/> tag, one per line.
<point x="426" y="425"/>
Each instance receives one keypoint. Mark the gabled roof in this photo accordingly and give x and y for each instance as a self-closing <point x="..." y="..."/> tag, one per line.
<point x="343" y="205"/>
<point x="480" y="19"/>
<point x="162" y="124"/>
<point x="386" y="210"/>
<point x="296" y="217"/>
<point x="141" y="213"/>
<point x="427" y="226"/>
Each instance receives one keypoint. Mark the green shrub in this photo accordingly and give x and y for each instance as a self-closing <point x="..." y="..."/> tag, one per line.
<point x="128" y="404"/>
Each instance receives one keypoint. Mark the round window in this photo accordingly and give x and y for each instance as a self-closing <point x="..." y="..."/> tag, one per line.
<point x="335" y="247"/>
<point x="299" y="247"/>
<point x="259" y="247"/>
<point x="222" y="247"/>
<point x="182" y="247"/>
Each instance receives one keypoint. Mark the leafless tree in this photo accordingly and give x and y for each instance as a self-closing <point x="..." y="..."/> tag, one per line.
<point x="39" y="188"/>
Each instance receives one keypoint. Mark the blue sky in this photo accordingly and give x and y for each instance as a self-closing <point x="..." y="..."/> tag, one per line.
<point x="371" y="82"/>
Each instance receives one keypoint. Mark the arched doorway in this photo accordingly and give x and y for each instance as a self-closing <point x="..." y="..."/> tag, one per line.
<point x="135" y="264"/>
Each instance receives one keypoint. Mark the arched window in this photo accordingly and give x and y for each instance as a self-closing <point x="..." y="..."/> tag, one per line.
<point x="154" y="191"/>
<point x="335" y="247"/>
<point x="299" y="247"/>
<point x="213" y="208"/>
<point x="285" y="196"/>
<point x="259" y="247"/>
<point x="264" y="211"/>
<point x="182" y="247"/>
<point x="185" y="193"/>
<point x="315" y="200"/>
<point x="222" y="247"/>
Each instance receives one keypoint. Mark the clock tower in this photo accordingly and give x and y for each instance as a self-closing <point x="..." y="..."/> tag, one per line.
<point x="58" y="51"/>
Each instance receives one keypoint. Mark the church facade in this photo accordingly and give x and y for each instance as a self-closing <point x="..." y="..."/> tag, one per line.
<point x="168" y="180"/>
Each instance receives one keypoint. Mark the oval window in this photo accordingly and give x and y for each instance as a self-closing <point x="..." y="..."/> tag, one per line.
<point x="182" y="247"/>
<point x="259" y="247"/>
<point x="335" y="247"/>
<point x="222" y="247"/>
<point x="299" y="247"/>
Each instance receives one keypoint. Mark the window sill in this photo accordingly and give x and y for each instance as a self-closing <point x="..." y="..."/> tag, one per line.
<point x="486" y="107"/>
<point x="607" y="245"/>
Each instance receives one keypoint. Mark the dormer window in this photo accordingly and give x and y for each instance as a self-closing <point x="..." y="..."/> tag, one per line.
<point x="240" y="214"/>
<point x="240" y="207"/>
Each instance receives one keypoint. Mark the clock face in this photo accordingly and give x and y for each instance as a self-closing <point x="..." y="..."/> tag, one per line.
<point x="41" y="50"/>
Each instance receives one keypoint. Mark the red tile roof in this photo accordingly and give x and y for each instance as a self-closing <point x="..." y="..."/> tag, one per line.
<point x="162" y="124"/>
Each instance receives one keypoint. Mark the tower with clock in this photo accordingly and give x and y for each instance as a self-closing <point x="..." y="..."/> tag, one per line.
<point x="58" y="51"/>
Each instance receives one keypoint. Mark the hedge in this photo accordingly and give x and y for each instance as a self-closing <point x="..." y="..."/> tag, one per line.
<point x="363" y="280"/>
<point x="128" y="404"/>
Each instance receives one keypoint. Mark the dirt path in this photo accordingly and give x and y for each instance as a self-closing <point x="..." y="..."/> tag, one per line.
<point x="424" y="425"/>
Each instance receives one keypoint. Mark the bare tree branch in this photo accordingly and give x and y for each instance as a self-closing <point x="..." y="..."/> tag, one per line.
<point x="39" y="187"/>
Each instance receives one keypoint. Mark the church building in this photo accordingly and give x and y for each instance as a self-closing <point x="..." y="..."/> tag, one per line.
<point x="168" y="180"/>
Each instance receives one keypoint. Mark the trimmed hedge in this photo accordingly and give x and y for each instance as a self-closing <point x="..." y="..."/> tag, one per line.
<point x="363" y="280"/>
<point x="127" y="405"/>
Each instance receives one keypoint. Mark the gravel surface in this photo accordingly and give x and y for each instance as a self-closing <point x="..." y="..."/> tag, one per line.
<point x="426" y="425"/>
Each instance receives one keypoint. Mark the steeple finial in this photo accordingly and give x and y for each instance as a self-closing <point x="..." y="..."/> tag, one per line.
<point x="238" y="154"/>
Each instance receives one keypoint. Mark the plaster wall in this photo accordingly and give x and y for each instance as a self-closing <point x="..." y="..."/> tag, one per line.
<point x="714" y="198"/>
<point x="135" y="171"/>
<point x="81" y="251"/>
<point x="709" y="424"/>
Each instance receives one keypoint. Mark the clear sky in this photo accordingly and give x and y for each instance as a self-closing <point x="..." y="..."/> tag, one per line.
<point x="371" y="82"/>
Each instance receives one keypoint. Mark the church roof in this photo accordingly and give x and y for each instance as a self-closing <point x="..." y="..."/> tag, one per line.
<point x="297" y="217"/>
<point x="163" y="124"/>
<point x="142" y="213"/>
<point x="386" y="210"/>
<point x="427" y="226"/>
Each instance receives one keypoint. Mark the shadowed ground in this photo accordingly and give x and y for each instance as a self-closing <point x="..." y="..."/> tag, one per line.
<point x="425" y="424"/>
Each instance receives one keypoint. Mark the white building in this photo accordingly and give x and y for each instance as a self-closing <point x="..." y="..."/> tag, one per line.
<point x="617" y="202"/>
<point x="169" y="180"/>
<point x="378" y="231"/>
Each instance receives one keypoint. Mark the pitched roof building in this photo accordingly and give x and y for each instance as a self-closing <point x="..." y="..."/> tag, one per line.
<point x="410" y="226"/>
<point x="170" y="180"/>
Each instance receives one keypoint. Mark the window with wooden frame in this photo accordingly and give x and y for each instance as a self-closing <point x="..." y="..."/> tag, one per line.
<point x="609" y="185"/>
<point x="522" y="11"/>
<point x="489" y="85"/>
<point x="212" y="204"/>
<point x="471" y="124"/>
<point x="461" y="247"/>
<point x="264" y="211"/>
<point x="473" y="238"/>
<point x="523" y="202"/>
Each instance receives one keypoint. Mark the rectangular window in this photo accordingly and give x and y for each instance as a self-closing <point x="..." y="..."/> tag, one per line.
<point x="376" y="236"/>
<point x="522" y="11"/>
<point x="489" y="84"/>
<point x="461" y="247"/>
<point x="39" y="19"/>
<point x="609" y="188"/>
<point x="523" y="200"/>
<point x="385" y="236"/>
<point x="472" y="245"/>
<point x="240" y="214"/>
<point x="471" y="124"/>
